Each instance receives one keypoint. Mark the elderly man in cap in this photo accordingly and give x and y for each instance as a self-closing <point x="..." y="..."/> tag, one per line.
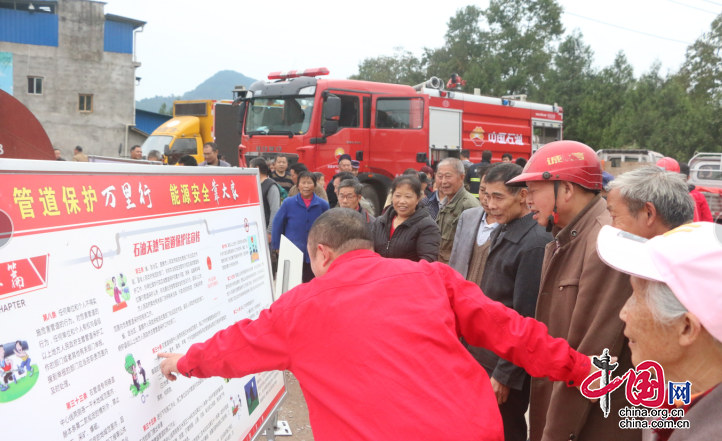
<point x="649" y="201"/>
<point x="674" y="316"/>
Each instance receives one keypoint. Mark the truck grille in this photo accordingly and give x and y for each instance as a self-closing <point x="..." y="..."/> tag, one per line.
<point x="191" y="109"/>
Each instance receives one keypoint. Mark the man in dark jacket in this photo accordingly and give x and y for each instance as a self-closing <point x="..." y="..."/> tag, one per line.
<point x="345" y="164"/>
<point x="279" y="173"/>
<point x="472" y="176"/>
<point x="270" y="192"/>
<point x="511" y="276"/>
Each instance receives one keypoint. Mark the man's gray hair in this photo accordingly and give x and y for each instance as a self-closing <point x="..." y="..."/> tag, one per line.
<point x="454" y="163"/>
<point x="357" y="187"/>
<point x="667" y="191"/>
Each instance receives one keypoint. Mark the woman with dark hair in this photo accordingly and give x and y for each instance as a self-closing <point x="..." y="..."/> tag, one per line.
<point x="425" y="184"/>
<point x="405" y="230"/>
<point x="296" y="217"/>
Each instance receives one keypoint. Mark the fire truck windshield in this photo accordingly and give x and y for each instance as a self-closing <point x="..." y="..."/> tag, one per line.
<point x="269" y="116"/>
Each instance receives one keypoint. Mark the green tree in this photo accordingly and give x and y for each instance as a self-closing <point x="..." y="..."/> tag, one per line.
<point x="702" y="68"/>
<point x="605" y="94"/>
<point x="568" y="82"/>
<point x="129" y="363"/>
<point x="401" y="68"/>
<point x="165" y="110"/>
<point x="660" y="115"/>
<point x="522" y="34"/>
<point x="462" y="44"/>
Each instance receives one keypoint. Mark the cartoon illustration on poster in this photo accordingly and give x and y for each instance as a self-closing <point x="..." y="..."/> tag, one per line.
<point x="117" y="287"/>
<point x="17" y="371"/>
<point x="236" y="407"/>
<point x="135" y="369"/>
<point x="251" y="395"/>
<point x="253" y="249"/>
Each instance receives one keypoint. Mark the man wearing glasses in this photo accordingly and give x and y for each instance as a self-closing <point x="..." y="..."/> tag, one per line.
<point x="349" y="196"/>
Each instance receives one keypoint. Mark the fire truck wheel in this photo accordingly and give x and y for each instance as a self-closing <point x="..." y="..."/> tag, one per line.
<point x="369" y="193"/>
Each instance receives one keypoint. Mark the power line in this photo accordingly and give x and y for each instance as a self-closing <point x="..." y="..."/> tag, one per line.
<point x="627" y="29"/>
<point x="694" y="7"/>
<point x="718" y="4"/>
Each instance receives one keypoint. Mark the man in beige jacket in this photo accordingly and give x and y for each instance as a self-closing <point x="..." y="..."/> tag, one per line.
<point x="580" y="297"/>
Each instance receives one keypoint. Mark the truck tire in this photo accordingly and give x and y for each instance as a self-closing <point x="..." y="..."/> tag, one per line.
<point x="369" y="193"/>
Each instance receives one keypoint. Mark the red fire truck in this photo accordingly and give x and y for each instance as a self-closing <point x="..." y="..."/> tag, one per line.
<point x="388" y="128"/>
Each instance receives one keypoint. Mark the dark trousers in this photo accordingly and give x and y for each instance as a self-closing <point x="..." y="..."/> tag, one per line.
<point x="307" y="273"/>
<point x="274" y="262"/>
<point x="513" y="410"/>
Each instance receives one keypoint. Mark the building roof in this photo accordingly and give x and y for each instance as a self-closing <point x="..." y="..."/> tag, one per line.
<point x="136" y="23"/>
<point x="146" y="122"/>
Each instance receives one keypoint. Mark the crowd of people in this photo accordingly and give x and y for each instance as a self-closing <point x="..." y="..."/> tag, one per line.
<point x="211" y="156"/>
<point x="493" y="282"/>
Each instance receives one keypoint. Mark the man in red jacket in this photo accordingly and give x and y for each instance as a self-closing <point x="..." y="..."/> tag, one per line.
<point x="375" y="344"/>
<point x="702" y="213"/>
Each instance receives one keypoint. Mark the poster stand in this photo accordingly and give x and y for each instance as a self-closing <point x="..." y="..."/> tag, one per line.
<point x="112" y="263"/>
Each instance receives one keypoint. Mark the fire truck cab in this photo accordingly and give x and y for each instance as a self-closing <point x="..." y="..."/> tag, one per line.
<point x="388" y="128"/>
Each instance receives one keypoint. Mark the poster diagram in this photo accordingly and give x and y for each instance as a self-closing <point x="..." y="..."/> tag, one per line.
<point x="115" y="264"/>
<point x="253" y="248"/>
<point x="251" y="395"/>
<point x="19" y="374"/>
<point x="135" y="370"/>
<point x="118" y="288"/>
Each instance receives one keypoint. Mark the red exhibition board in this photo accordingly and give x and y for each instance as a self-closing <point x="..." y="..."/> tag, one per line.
<point x="45" y="202"/>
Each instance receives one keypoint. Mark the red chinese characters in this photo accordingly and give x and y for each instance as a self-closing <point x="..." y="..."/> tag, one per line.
<point x="156" y="245"/>
<point x="644" y="385"/>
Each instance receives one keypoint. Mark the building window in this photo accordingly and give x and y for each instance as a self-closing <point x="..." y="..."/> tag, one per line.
<point x="35" y="85"/>
<point x="85" y="103"/>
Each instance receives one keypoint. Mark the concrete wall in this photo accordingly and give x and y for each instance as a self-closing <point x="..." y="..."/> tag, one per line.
<point x="79" y="65"/>
<point x="135" y="138"/>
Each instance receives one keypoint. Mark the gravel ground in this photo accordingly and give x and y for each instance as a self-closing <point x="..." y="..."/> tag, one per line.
<point x="294" y="411"/>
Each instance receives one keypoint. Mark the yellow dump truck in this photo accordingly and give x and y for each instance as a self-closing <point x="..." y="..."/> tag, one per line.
<point x="195" y="123"/>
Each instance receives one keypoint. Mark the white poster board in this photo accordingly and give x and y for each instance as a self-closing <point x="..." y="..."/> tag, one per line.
<point x="290" y="267"/>
<point x="102" y="266"/>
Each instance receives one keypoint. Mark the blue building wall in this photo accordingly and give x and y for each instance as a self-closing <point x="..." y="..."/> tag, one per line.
<point x="36" y="28"/>
<point x="149" y="121"/>
<point x="118" y="37"/>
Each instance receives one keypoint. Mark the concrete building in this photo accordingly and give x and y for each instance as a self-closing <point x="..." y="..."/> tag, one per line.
<point x="73" y="66"/>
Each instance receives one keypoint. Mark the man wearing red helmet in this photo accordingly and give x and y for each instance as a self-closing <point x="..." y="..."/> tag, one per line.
<point x="669" y="164"/>
<point x="580" y="297"/>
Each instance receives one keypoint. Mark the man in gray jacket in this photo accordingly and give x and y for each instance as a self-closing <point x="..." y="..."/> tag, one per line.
<point x="512" y="276"/>
<point x="468" y="256"/>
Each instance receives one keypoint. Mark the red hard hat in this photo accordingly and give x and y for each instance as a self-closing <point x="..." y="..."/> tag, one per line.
<point x="669" y="164"/>
<point x="563" y="161"/>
